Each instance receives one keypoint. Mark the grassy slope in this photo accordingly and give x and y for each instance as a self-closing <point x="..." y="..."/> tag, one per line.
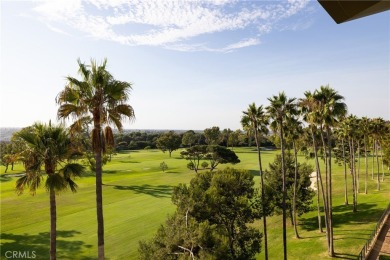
<point x="137" y="200"/>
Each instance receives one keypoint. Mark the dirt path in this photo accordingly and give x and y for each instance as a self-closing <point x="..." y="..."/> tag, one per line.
<point x="382" y="245"/>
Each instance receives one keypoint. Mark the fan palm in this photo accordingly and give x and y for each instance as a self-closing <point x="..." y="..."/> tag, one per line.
<point x="309" y="110"/>
<point x="378" y="130"/>
<point x="254" y="118"/>
<point x="293" y="133"/>
<point x="365" y="129"/>
<point x="48" y="151"/>
<point x="351" y="125"/>
<point x="331" y="109"/>
<point x="279" y="110"/>
<point x="100" y="99"/>
<point x="342" y="134"/>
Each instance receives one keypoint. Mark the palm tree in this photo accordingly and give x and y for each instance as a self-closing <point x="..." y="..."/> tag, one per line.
<point x="280" y="109"/>
<point x="100" y="99"/>
<point x="309" y="110"/>
<point x="365" y="130"/>
<point x="294" y="131"/>
<point x="352" y="128"/>
<point x="342" y="134"/>
<point x="378" y="129"/>
<point x="255" y="119"/>
<point x="331" y="109"/>
<point x="49" y="150"/>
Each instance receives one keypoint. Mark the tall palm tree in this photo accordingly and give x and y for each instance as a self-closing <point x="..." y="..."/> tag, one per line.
<point x="352" y="133"/>
<point x="254" y="118"/>
<point x="310" y="111"/>
<point x="100" y="99"/>
<point x="49" y="150"/>
<point x="342" y="134"/>
<point x="378" y="129"/>
<point x="293" y="133"/>
<point x="279" y="110"/>
<point x="365" y="130"/>
<point x="331" y="108"/>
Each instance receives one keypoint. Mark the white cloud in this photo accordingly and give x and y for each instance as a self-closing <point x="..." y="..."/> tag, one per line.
<point x="170" y="24"/>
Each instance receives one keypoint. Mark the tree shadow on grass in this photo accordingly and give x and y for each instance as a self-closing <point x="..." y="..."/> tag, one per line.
<point x="5" y="178"/>
<point x="343" y="215"/>
<point x="255" y="173"/>
<point x="158" y="191"/>
<point x="345" y="256"/>
<point x="123" y="161"/>
<point x="39" y="245"/>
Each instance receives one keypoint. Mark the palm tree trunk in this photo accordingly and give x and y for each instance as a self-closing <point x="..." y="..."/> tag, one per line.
<point x="99" y="190"/>
<point x="373" y="158"/>
<point x="345" y="175"/>
<point x="330" y="193"/>
<point x="377" y="162"/>
<point x="99" y="205"/>
<point x="53" y="224"/>
<point x="295" y="191"/>
<point x="383" y="169"/>
<point x="358" y="168"/>
<point x="319" y="183"/>
<point x="284" y="193"/>
<point x="262" y="195"/>
<point x="327" y="208"/>
<point x="366" y="164"/>
<point x="353" y="172"/>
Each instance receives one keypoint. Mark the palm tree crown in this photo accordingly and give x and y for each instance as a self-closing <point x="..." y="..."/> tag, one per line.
<point x="48" y="149"/>
<point x="98" y="95"/>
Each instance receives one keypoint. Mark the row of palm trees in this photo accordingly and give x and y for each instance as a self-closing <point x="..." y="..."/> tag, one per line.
<point x="97" y="99"/>
<point x="356" y="136"/>
<point x="317" y="121"/>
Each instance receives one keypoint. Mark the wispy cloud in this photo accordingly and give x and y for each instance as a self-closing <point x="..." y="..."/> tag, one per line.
<point x="180" y="25"/>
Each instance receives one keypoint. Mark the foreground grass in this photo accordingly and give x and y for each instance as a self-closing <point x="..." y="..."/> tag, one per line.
<point x="137" y="200"/>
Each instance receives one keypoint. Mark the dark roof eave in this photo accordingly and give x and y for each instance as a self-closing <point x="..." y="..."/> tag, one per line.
<point x="344" y="10"/>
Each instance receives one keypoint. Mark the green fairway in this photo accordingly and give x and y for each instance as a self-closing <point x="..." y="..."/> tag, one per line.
<point x="137" y="200"/>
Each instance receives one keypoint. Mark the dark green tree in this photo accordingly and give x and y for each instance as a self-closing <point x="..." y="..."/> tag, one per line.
<point x="215" y="154"/>
<point x="304" y="194"/>
<point x="169" y="141"/>
<point x="189" y="138"/>
<point x="220" y="155"/>
<point x="163" y="166"/>
<point x="212" y="135"/>
<point x="194" y="154"/>
<point x="211" y="220"/>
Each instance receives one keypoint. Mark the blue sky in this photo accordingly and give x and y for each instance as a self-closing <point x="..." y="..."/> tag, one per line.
<point x="193" y="64"/>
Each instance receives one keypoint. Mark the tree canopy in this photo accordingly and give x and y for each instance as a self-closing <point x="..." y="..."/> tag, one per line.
<point x="211" y="220"/>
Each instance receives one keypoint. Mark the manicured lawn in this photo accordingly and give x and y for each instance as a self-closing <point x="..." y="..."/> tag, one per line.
<point x="137" y="200"/>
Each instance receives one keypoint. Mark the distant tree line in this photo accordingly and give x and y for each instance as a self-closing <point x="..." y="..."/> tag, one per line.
<point x="144" y="139"/>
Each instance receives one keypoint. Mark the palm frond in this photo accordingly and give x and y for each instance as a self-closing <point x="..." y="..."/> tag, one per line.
<point x="117" y="91"/>
<point x="79" y="124"/>
<point x="72" y="185"/>
<point x="55" y="182"/>
<point x="31" y="180"/>
<point x="72" y="170"/>
<point x="67" y="109"/>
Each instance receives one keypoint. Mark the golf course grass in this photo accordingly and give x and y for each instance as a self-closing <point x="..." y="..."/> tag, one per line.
<point x="136" y="197"/>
